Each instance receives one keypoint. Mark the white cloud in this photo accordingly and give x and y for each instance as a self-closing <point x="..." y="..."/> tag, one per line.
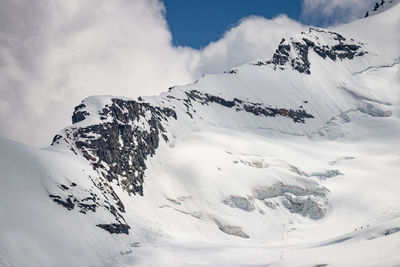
<point x="54" y="53"/>
<point x="329" y="12"/>
<point x="254" y="37"/>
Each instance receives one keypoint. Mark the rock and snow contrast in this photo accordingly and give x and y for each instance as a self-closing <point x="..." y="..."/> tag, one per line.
<point x="287" y="161"/>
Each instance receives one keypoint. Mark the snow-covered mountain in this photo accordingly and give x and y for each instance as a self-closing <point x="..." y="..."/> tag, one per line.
<point x="287" y="161"/>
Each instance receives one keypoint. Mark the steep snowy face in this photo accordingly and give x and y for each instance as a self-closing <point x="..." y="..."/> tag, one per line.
<point x="281" y="95"/>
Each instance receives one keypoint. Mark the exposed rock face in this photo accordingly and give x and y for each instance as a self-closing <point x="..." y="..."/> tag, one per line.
<point x="115" y="228"/>
<point x="257" y="109"/>
<point x="116" y="140"/>
<point x="79" y="114"/>
<point x="119" y="146"/>
<point x="327" y="44"/>
<point x="379" y="6"/>
<point x="67" y="203"/>
<point x="73" y="197"/>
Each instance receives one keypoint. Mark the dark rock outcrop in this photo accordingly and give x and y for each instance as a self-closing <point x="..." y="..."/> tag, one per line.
<point x="294" y="52"/>
<point x="67" y="203"/>
<point x="118" y="146"/>
<point x="377" y="7"/>
<point x="79" y="115"/>
<point x="257" y="109"/>
<point x="115" y="228"/>
<point x="85" y="201"/>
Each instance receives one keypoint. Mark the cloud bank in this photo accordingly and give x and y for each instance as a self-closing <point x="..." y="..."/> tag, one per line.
<point x="55" y="53"/>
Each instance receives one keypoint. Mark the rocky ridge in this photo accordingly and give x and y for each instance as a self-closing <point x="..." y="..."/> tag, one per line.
<point x="117" y="147"/>
<point x="294" y="52"/>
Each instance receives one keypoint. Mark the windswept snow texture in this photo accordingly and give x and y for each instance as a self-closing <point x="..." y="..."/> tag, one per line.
<point x="287" y="161"/>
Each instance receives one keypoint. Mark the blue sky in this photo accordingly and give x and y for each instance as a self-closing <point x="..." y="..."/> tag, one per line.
<point x="195" y="23"/>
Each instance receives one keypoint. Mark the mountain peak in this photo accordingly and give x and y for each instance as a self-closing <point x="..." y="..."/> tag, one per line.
<point x="327" y="44"/>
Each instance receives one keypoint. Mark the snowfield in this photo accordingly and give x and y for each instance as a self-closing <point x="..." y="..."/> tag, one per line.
<point x="288" y="161"/>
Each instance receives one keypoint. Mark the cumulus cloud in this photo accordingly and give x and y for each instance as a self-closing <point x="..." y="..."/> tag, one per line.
<point x="254" y="37"/>
<point x="54" y="53"/>
<point x="330" y="12"/>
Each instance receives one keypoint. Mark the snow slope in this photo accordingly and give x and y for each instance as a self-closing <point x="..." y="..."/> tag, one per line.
<point x="288" y="161"/>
